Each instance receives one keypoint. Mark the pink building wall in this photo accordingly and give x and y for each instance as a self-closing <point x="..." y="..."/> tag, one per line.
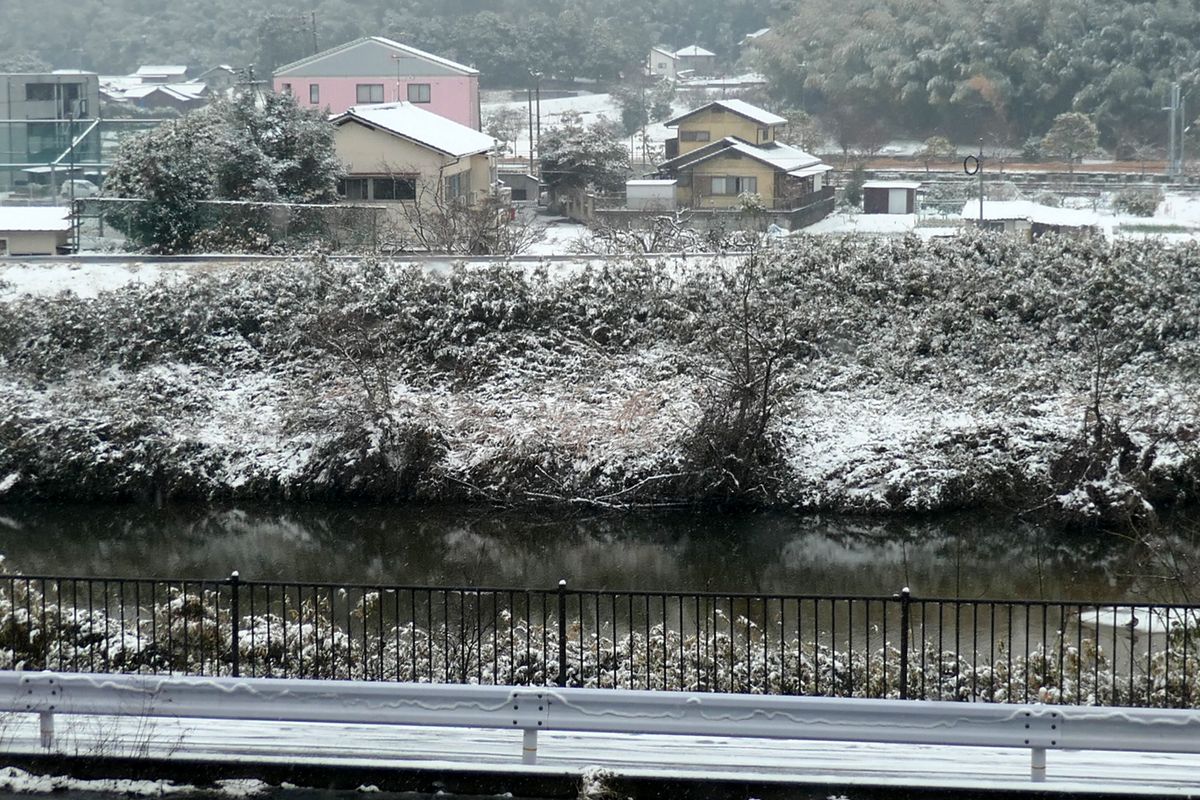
<point x="453" y="97"/>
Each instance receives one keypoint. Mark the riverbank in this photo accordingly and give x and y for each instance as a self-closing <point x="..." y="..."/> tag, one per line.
<point x="877" y="377"/>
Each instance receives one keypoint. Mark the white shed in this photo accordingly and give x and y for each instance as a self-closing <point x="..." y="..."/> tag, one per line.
<point x="653" y="194"/>
<point x="33" y="230"/>
<point x="890" y="197"/>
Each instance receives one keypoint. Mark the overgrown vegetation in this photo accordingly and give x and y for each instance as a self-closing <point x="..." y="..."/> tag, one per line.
<point x="898" y="376"/>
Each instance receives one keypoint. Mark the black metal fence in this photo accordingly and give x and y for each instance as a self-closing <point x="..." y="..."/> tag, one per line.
<point x="896" y="646"/>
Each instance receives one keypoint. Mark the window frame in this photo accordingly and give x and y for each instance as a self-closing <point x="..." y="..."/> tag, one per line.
<point x="343" y="188"/>
<point x="409" y="182"/>
<point x="428" y="92"/>
<point x="370" y="93"/>
<point x="30" y="93"/>
<point x="314" y="93"/>
<point x="695" y="136"/>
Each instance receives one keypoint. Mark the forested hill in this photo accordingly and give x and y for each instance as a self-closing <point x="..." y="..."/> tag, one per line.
<point x="503" y="38"/>
<point x="1000" y="68"/>
<point x="869" y="69"/>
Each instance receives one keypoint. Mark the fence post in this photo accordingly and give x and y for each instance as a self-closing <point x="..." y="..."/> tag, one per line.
<point x="562" y="633"/>
<point x="235" y="614"/>
<point x="905" y="599"/>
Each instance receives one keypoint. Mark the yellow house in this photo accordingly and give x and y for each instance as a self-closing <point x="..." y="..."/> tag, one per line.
<point x="399" y="153"/>
<point x="728" y="157"/>
<point x="719" y="119"/>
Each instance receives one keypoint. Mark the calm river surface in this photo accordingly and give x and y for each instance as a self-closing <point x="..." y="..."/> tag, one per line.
<point x="966" y="555"/>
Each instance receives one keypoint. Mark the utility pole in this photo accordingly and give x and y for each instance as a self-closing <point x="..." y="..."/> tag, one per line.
<point x="314" y="31"/>
<point x="71" y="180"/>
<point x="529" y="93"/>
<point x="537" y="89"/>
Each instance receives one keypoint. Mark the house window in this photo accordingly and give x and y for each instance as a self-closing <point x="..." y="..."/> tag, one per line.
<point x="693" y="136"/>
<point x="287" y="88"/>
<point x="353" y="188"/>
<point x="764" y="135"/>
<point x="3" y="247"/>
<point x="402" y="188"/>
<point x="369" y="92"/>
<point x="458" y="185"/>
<point x="39" y="91"/>
<point x="314" y="93"/>
<point x="418" y="93"/>
<point x="520" y="194"/>
<point x="733" y="185"/>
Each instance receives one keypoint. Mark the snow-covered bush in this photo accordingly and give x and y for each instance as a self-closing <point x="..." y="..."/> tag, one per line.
<point x="1138" y="202"/>
<point x="911" y="375"/>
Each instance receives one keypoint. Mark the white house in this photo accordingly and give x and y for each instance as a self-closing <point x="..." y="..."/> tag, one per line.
<point x="396" y="152"/>
<point x="33" y="230"/>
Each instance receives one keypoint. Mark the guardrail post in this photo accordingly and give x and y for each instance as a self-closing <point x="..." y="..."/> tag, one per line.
<point x="235" y="621"/>
<point x="529" y="746"/>
<point x="905" y="599"/>
<point x="1037" y="765"/>
<point x="562" y="632"/>
<point x="46" y="729"/>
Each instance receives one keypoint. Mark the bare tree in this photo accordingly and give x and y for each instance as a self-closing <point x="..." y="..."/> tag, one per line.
<point x="439" y="219"/>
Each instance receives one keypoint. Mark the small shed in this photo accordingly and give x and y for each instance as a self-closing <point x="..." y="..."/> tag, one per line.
<point x="890" y="197"/>
<point x="34" y="230"/>
<point x="525" y="188"/>
<point x="1030" y="220"/>
<point x="651" y="194"/>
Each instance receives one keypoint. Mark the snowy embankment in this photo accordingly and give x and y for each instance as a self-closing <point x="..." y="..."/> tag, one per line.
<point x="905" y="375"/>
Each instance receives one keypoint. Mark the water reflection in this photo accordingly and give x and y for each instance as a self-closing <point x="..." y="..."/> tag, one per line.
<point x="968" y="555"/>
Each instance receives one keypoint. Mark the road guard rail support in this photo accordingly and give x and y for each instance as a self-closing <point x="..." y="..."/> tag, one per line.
<point x="1038" y="728"/>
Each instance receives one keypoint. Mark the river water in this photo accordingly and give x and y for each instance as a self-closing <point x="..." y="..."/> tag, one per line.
<point x="968" y="555"/>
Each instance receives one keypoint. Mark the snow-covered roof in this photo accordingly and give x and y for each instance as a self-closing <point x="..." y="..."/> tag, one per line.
<point x="386" y="42"/>
<point x="34" y="218"/>
<point x="739" y="107"/>
<point x="418" y="125"/>
<point x="750" y="37"/>
<point x="1000" y="210"/>
<point x="178" y="91"/>
<point x="662" y="48"/>
<point x="693" y="50"/>
<point x="815" y="169"/>
<point x="651" y="182"/>
<point x="892" y="185"/>
<point x="161" y="69"/>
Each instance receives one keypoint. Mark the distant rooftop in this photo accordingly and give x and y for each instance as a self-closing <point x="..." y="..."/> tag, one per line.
<point x="694" y="50"/>
<point x="34" y="218"/>
<point x="740" y="107"/>
<point x="383" y="40"/>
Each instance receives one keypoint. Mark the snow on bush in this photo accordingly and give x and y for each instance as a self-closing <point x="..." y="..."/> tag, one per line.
<point x="904" y="376"/>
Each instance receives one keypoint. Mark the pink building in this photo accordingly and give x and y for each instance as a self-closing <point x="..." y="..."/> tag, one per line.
<point x="378" y="70"/>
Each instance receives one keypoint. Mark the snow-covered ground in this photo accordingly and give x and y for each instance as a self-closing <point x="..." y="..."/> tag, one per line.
<point x="591" y="108"/>
<point x="584" y="755"/>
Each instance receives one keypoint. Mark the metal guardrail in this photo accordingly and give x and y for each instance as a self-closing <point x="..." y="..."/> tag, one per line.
<point x="897" y="646"/>
<point x="1033" y="727"/>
